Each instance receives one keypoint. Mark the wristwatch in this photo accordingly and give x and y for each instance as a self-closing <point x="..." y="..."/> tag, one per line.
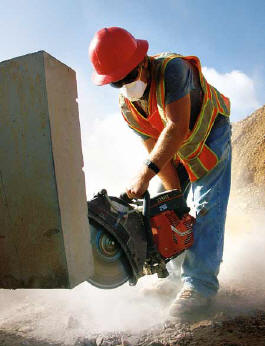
<point x="151" y="165"/>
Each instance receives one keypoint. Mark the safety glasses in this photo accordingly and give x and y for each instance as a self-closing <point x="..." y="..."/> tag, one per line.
<point x="131" y="77"/>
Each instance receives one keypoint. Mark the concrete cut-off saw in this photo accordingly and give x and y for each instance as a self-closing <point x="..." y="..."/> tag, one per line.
<point x="133" y="238"/>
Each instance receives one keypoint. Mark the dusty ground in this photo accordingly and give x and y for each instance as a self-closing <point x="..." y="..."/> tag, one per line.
<point x="86" y="316"/>
<point x="239" y="331"/>
<point x="234" y="319"/>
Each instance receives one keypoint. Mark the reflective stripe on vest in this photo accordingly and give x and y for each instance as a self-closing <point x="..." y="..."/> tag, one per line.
<point x="195" y="155"/>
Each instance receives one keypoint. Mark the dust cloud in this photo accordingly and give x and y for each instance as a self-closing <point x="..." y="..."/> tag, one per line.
<point x="64" y="315"/>
<point x="242" y="275"/>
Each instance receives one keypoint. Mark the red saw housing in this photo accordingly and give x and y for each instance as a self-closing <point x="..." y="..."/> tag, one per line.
<point x="172" y="235"/>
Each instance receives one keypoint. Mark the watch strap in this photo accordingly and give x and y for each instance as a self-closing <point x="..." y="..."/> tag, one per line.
<point x="151" y="165"/>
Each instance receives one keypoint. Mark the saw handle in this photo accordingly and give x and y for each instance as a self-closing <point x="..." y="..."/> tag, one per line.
<point x="125" y="197"/>
<point x="146" y="205"/>
<point x="147" y="225"/>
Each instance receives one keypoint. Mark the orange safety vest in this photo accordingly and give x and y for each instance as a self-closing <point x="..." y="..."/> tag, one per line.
<point x="195" y="155"/>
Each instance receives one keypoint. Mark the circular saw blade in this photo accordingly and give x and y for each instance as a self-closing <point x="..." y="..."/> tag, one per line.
<point x="111" y="266"/>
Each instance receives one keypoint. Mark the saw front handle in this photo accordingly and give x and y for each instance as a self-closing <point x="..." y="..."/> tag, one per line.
<point x="125" y="197"/>
<point x="151" y="247"/>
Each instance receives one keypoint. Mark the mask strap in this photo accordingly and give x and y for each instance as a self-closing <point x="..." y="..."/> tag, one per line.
<point x="140" y="72"/>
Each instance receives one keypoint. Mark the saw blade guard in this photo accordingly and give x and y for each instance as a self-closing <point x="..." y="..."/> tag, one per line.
<point x="118" y="241"/>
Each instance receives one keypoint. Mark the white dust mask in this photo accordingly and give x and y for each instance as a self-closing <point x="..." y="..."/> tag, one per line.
<point x="134" y="91"/>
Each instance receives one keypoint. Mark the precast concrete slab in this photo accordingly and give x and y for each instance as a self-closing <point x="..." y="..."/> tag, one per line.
<point x="44" y="230"/>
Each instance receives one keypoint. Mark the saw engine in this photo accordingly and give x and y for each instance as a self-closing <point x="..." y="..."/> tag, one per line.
<point x="133" y="238"/>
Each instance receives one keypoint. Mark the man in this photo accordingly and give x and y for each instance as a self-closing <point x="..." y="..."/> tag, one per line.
<point x="184" y="124"/>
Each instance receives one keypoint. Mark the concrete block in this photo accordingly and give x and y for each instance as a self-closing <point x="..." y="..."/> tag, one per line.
<point x="44" y="230"/>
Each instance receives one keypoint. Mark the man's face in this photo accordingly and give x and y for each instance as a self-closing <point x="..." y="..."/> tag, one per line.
<point x="139" y="72"/>
<point x="129" y="78"/>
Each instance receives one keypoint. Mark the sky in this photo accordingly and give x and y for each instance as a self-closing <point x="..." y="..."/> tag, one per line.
<point x="228" y="37"/>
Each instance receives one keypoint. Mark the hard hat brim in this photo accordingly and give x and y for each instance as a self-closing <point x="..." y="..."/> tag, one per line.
<point x="136" y="58"/>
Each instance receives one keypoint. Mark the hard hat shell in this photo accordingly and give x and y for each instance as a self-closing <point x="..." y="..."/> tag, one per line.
<point x="114" y="52"/>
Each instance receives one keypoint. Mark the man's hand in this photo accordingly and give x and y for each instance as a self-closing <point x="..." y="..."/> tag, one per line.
<point x="140" y="183"/>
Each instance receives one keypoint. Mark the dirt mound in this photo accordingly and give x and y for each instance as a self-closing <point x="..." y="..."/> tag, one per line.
<point x="248" y="164"/>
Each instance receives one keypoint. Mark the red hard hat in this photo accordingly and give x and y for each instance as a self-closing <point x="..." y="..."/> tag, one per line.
<point x="114" y="52"/>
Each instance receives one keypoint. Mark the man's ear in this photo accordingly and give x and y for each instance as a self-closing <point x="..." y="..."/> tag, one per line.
<point x="146" y="69"/>
<point x="145" y="62"/>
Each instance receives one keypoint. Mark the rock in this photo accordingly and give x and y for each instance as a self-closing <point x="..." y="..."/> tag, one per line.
<point x="99" y="340"/>
<point x="200" y="324"/>
<point x="130" y="340"/>
<point x="86" y="342"/>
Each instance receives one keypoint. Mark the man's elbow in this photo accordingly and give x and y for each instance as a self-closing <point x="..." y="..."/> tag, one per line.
<point x="185" y="131"/>
<point x="180" y="131"/>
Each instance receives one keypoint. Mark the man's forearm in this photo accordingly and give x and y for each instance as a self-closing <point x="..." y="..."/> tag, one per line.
<point x="169" y="177"/>
<point x="167" y="145"/>
<point x="168" y="173"/>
